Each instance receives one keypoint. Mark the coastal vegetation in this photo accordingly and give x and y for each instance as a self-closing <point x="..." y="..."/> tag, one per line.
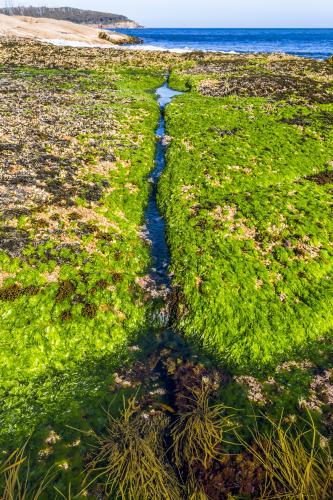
<point x="98" y="399"/>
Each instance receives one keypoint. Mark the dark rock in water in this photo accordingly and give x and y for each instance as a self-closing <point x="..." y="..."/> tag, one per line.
<point x="135" y="40"/>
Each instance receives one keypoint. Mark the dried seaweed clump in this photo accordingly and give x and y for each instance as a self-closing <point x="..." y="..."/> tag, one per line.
<point x="10" y="292"/>
<point x="322" y="178"/>
<point x="89" y="310"/>
<point x="65" y="290"/>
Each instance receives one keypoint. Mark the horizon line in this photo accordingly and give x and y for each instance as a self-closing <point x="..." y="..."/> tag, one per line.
<point x="238" y="27"/>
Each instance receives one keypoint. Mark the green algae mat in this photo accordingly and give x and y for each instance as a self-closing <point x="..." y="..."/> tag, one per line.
<point x="247" y="194"/>
<point x="76" y="147"/>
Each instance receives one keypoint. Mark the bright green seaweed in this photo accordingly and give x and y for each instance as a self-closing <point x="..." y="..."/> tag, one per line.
<point x="250" y="224"/>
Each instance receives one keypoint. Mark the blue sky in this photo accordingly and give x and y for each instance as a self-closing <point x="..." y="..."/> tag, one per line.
<point x="211" y="13"/>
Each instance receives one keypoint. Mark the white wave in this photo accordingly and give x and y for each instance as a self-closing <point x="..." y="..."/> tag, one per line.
<point x="76" y="43"/>
<point x="157" y="48"/>
<point x="176" y="50"/>
<point x="143" y="47"/>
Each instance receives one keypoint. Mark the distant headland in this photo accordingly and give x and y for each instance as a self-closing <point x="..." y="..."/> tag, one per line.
<point x="79" y="16"/>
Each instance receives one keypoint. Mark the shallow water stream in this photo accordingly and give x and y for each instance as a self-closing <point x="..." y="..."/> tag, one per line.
<point x="155" y="223"/>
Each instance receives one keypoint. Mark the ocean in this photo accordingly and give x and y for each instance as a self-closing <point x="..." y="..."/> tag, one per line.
<point x="315" y="43"/>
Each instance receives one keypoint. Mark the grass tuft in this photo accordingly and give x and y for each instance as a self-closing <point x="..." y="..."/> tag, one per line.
<point x="14" y="483"/>
<point x="129" y="461"/>
<point x="296" y="463"/>
<point x="198" y="431"/>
